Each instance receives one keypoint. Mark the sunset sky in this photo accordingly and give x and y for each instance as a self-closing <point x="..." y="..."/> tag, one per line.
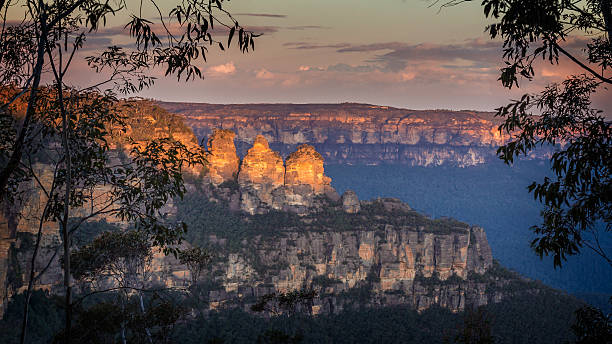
<point x="391" y="52"/>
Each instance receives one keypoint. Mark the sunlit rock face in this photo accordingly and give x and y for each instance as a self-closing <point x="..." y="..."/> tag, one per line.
<point x="261" y="172"/>
<point x="221" y="156"/>
<point x="261" y="165"/>
<point x="305" y="167"/>
<point x="305" y="179"/>
<point x="264" y="182"/>
<point x="355" y="133"/>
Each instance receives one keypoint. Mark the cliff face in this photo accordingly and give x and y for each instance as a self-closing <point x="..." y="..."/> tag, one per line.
<point x="305" y="167"/>
<point x="396" y="266"/>
<point x="354" y="133"/>
<point x="261" y="165"/>
<point x="338" y="244"/>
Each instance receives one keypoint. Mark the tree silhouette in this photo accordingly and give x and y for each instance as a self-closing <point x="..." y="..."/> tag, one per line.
<point x="578" y="200"/>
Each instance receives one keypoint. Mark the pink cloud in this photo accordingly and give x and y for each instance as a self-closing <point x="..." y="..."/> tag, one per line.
<point x="264" y="74"/>
<point x="223" y="69"/>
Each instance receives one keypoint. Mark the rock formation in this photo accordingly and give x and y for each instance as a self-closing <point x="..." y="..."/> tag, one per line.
<point x="399" y="256"/>
<point x="264" y="182"/>
<point x="261" y="172"/>
<point x="305" y="167"/>
<point x="261" y="165"/>
<point x="221" y="156"/>
<point x="396" y="263"/>
<point x="350" y="202"/>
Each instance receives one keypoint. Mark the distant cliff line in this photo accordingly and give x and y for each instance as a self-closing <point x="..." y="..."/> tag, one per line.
<point x="351" y="133"/>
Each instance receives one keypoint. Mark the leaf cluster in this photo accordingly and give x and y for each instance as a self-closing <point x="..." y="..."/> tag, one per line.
<point x="533" y="30"/>
<point x="579" y="198"/>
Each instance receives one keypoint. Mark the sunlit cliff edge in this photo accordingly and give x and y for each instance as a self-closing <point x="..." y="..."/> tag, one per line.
<point x="350" y="133"/>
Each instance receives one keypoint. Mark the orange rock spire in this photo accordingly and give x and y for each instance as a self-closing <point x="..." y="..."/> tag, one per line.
<point x="305" y="167"/>
<point x="221" y="156"/>
<point x="261" y="165"/>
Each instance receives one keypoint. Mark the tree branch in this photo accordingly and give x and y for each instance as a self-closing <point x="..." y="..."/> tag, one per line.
<point x="585" y="67"/>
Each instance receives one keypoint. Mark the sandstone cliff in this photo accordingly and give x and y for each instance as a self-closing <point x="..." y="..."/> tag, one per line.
<point x="354" y="133"/>
<point x="261" y="165"/>
<point x="386" y="249"/>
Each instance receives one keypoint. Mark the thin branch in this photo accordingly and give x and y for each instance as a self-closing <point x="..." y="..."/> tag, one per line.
<point x="578" y="62"/>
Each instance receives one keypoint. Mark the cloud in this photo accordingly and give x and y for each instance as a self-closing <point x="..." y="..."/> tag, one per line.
<point x="264" y="74"/>
<point x="343" y="67"/>
<point x="407" y="75"/>
<point x="96" y="43"/>
<point x="223" y="69"/>
<point x="311" y="46"/>
<point x="485" y="53"/>
<point x="307" y="27"/>
<point x="267" y="15"/>
<point x="348" y="48"/>
<point x="310" y="69"/>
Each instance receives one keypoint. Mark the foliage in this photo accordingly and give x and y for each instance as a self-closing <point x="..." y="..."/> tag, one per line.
<point x="112" y="254"/>
<point x="45" y="320"/>
<point x="288" y="303"/>
<point x="323" y="281"/>
<point x="107" y="321"/>
<point x="525" y="319"/>
<point x="592" y="326"/>
<point x="277" y="337"/>
<point x="476" y="328"/>
<point x="196" y="259"/>
<point x="579" y="196"/>
<point x="87" y="184"/>
<point x="235" y="227"/>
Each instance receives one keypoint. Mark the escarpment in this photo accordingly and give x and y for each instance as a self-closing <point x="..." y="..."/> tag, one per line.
<point x="355" y="134"/>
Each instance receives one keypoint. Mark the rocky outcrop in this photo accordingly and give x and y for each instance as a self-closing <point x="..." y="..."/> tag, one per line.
<point x="305" y="167"/>
<point x="264" y="181"/>
<point x="262" y="171"/>
<point x="340" y="248"/>
<point x="221" y="157"/>
<point x="350" y="202"/>
<point x="354" y="133"/>
<point x="261" y="165"/>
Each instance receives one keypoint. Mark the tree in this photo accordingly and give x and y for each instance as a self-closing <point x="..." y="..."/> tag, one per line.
<point x="476" y="328"/>
<point x="288" y="303"/>
<point x="196" y="259"/>
<point x="37" y="43"/>
<point x="103" y="183"/>
<point x="44" y="42"/>
<point x="592" y="326"/>
<point x="578" y="199"/>
<point x="120" y="262"/>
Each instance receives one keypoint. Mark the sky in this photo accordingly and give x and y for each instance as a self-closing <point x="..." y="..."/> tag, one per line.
<point x="403" y="53"/>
